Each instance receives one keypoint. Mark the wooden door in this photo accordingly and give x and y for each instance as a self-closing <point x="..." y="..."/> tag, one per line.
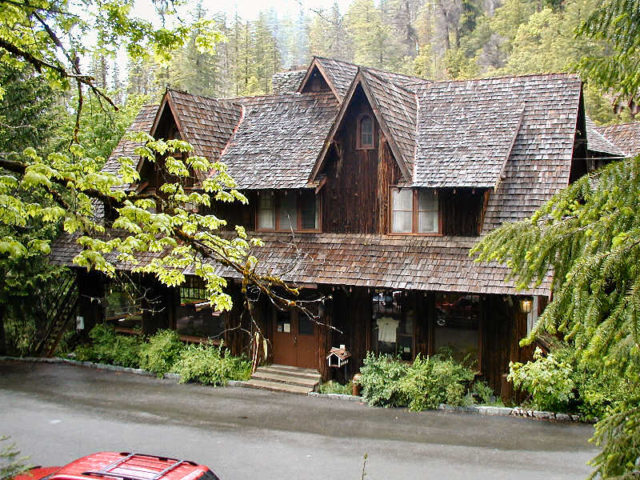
<point x="284" y="351"/>
<point x="306" y="342"/>
<point x="295" y="340"/>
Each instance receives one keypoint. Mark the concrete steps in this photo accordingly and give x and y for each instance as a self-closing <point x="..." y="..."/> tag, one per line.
<point x="284" y="378"/>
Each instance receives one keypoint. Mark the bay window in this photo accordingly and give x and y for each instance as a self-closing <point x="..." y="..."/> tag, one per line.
<point x="414" y="211"/>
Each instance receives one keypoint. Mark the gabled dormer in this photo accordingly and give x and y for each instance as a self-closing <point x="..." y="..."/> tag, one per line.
<point x="206" y="123"/>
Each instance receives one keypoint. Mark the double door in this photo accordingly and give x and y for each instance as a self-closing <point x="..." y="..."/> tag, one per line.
<point x="295" y="339"/>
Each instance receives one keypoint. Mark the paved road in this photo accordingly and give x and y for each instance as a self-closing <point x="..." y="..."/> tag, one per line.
<point x="58" y="412"/>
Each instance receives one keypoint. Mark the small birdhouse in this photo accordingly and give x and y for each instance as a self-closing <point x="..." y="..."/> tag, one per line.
<point x="338" y="357"/>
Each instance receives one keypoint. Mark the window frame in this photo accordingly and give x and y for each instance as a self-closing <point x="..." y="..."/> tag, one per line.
<point x="276" y="213"/>
<point x="414" y="213"/>
<point x="359" y="144"/>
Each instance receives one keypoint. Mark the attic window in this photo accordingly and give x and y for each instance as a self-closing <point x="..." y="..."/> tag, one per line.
<point x="365" y="132"/>
<point x="414" y="211"/>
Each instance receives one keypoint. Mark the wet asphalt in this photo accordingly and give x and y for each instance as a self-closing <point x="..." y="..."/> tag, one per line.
<point x="57" y="412"/>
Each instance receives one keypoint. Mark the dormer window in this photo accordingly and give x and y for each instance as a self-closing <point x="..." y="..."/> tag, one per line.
<point x="365" y="132"/>
<point x="414" y="211"/>
<point x="287" y="211"/>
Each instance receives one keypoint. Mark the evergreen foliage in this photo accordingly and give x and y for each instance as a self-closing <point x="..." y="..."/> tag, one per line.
<point x="589" y="237"/>
<point x="617" y="24"/>
<point x="11" y="463"/>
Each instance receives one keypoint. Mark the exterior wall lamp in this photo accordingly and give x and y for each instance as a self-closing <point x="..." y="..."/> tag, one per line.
<point x="526" y="304"/>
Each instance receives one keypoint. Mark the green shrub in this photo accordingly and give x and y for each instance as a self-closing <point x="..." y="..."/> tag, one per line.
<point x="161" y="352"/>
<point x="210" y="365"/>
<point x="11" y="463"/>
<point x="335" y="387"/>
<point x="380" y="380"/>
<point x="108" y="347"/>
<point x="425" y="384"/>
<point x="431" y="381"/>
<point x="484" y="393"/>
<point x="127" y="351"/>
<point x="598" y="389"/>
<point x="547" y="379"/>
<point x="101" y="348"/>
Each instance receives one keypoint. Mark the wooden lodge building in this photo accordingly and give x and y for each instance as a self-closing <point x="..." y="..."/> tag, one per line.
<point x="369" y="188"/>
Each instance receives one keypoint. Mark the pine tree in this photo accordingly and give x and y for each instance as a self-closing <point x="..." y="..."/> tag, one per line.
<point x="589" y="237"/>
<point x="328" y="36"/>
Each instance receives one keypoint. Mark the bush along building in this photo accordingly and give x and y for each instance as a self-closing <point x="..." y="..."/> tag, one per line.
<point x="368" y="189"/>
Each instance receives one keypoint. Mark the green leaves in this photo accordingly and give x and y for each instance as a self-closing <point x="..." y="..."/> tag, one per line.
<point x="588" y="236"/>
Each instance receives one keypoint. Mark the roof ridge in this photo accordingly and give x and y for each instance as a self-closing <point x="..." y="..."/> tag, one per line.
<point x="624" y="124"/>
<point x="276" y="95"/>
<point x="500" y="77"/>
<point x="215" y="99"/>
<point x="402" y="87"/>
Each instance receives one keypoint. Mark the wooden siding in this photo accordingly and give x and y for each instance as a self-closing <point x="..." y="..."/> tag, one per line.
<point x="355" y="197"/>
<point x="461" y="211"/>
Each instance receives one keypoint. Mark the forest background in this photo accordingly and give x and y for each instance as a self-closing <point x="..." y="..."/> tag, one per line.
<point x="434" y="39"/>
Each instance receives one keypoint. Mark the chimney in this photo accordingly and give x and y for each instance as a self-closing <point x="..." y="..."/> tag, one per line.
<point x="287" y="82"/>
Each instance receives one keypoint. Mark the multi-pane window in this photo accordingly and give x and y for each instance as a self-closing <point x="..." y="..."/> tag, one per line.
<point x="286" y="211"/>
<point x="365" y="132"/>
<point x="414" y="211"/>
<point x="192" y="291"/>
<point x="266" y="212"/>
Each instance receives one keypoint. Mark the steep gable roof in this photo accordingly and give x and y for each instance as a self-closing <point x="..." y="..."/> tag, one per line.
<point x="278" y="139"/>
<point x="339" y="75"/>
<point x="625" y="136"/>
<point x="206" y="123"/>
<point x="466" y="131"/>
<point x="397" y="108"/>
<point x="540" y="160"/>
<point x="125" y="148"/>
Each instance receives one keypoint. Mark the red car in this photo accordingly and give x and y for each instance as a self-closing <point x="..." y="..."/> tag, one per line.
<point x="123" y="466"/>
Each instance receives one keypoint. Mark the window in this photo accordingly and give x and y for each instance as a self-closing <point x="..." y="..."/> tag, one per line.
<point x="266" y="212"/>
<point x="193" y="291"/>
<point x="393" y="325"/>
<point x="123" y="304"/>
<point x="286" y="211"/>
<point x="365" y="132"/>
<point x="194" y="315"/>
<point x="457" y="327"/>
<point x="414" y="211"/>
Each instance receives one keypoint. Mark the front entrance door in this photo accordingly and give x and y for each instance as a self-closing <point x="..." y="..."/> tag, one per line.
<point x="295" y="340"/>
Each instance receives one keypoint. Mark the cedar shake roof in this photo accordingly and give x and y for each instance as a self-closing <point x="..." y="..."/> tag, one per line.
<point x="429" y="263"/>
<point x="398" y="108"/>
<point x="125" y="148"/>
<point x="540" y="160"/>
<point x="625" y="136"/>
<point x="278" y="139"/>
<point x="340" y="74"/>
<point x="597" y="142"/>
<point x="206" y="123"/>
<point x="466" y="132"/>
